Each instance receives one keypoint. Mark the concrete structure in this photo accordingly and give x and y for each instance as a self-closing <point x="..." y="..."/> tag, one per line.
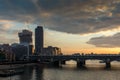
<point x="7" y="50"/>
<point x="20" y="51"/>
<point x="25" y="38"/>
<point x="39" y="40"/>
<point x="80" y="59"/>
<point x="51" y="50"/>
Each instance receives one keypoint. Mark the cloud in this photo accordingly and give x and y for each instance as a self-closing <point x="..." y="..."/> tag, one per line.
<point x="4" y="39"/>
<point x="7" y="33"/>
<point x="106" y="41"/>
<point x="4" y="27"/>
<point x="71" y="16"/>
<point x="7" y="28"/>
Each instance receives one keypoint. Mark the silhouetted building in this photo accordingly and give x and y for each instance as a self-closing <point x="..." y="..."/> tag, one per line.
<point x="7" y="51"/>
<point x="39" y="40"/>
<point x="52" y="51"/>
<point x="25" y="37"/>
<point x="20" y="51"/>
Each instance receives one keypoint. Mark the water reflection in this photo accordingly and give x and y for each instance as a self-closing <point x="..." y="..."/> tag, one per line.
<point x="28" y="72"/>
<point x="69" y="72"/>
<point x="39" y="72"/>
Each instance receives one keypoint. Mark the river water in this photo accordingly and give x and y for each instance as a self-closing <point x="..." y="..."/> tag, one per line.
<point x="69" y="71"/>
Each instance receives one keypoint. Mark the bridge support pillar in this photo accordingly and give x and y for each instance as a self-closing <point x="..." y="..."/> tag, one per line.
<point x="56" y="63"/>
<point x="81" y="63"/>
<point x="108" y="65"/>
<point x="63" y="62"/>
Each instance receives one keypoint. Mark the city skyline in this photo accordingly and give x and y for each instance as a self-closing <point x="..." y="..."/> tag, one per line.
<point x="74" y="26"/>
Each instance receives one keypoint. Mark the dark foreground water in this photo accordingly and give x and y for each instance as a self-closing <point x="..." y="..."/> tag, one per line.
<point x="68" y="72"/>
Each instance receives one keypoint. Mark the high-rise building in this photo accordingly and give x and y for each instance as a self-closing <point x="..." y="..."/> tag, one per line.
<point x="25" y="37"/>
<point x="39" y="40"/>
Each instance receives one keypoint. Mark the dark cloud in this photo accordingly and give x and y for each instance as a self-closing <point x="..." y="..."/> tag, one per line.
<point x="117" y="9"/>
<point x="72" y="16"/>
<point x="17" y="6"/>
<point x="103" y="41"/>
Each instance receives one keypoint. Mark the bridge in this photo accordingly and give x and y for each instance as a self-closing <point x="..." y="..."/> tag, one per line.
<point x="80" y="59"/>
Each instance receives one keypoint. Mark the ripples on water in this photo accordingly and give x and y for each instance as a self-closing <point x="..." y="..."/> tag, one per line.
<point x="92" y="71"/>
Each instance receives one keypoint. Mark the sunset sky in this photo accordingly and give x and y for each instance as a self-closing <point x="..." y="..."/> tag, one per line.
<point x="82" y="26"/>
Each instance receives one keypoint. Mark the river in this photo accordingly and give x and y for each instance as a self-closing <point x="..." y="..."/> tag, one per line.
<point x="69" y="71"/>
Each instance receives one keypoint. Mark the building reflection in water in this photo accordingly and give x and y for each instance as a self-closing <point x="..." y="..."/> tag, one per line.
<point x="32" y="73"/>
<point x="39" y="72"/>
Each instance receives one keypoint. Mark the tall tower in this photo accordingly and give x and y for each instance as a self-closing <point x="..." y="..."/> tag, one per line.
<point x="39" y="40"/>
<point x="25" y="38"/>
